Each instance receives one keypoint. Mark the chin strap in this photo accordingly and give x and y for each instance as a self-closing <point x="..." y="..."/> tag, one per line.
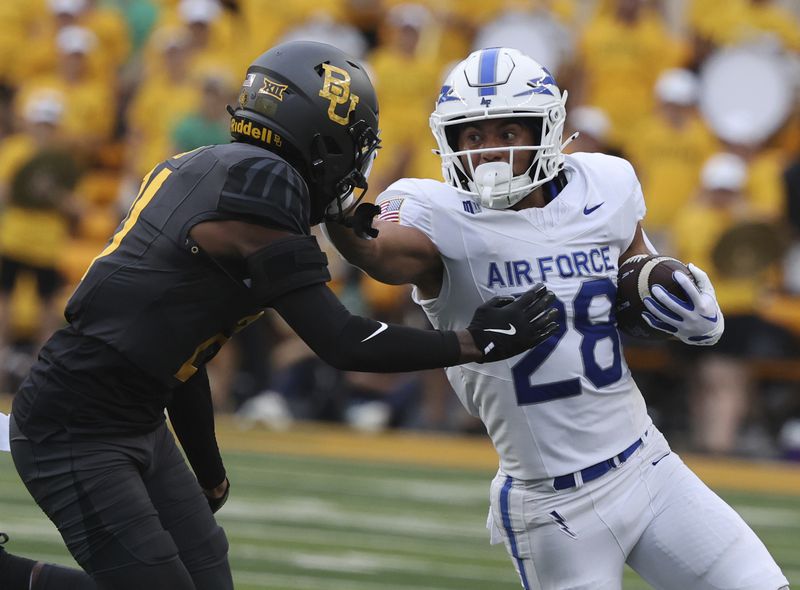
<point x="569" y="140"/>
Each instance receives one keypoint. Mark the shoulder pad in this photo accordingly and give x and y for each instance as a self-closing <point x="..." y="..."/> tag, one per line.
<point x="268" y="190"/>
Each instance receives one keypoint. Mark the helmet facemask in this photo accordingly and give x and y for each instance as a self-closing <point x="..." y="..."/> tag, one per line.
<point x="365" y="143"/>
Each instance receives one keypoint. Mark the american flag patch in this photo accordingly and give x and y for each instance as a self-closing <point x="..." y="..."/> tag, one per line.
<point x="390" y="210"/>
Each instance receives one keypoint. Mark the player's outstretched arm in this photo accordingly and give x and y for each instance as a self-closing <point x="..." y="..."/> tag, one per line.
<point x="288" y="273"/>
<point x="500" y="328"/>
<point x="393" y="254"/>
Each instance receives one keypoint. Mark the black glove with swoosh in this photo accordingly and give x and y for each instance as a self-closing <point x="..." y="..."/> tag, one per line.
<point x="504" y="326"/>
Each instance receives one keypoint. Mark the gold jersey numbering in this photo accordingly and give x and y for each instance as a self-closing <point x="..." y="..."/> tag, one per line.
<point x="336" y="88"/>
<point x="191" y="366"/>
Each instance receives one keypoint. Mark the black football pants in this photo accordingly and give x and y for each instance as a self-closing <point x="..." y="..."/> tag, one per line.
<point x="129" y="509"/>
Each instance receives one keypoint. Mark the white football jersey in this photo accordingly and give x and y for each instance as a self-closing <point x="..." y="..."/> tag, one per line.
<point x="571" y="401"/>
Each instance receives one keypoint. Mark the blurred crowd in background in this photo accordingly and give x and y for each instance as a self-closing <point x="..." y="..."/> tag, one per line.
<point x="701" y="95"/>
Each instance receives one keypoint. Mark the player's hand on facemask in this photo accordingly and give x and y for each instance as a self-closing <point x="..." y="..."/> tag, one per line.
<point x="218" y="496"/>
<point x="504" y="326"/>
<point x="697" y="320"/>
<point x="361" y="221"/>
<point x="360" y="218"/>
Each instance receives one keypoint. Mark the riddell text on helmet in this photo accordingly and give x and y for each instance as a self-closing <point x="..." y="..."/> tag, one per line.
<point x="259" y="132"/>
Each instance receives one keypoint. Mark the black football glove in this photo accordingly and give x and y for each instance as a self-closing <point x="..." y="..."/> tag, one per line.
<point x="217" y="503"/>
<point x="504" y="326"/>
<point x="361" y="221"/>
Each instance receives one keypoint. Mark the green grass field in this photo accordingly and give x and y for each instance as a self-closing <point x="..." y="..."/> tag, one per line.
<point x="314" y="522"/>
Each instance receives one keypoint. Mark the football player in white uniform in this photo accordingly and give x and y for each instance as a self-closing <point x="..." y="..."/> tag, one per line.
<point x="586" y="482"/>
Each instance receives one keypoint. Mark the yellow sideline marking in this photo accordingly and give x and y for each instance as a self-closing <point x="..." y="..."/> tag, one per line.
<point x="441" y="450"/>
<point x="340" y="442"/>
<point x="461" y="452"/>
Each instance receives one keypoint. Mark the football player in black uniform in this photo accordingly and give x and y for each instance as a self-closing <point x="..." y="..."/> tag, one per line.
<point x="214" y="237"/>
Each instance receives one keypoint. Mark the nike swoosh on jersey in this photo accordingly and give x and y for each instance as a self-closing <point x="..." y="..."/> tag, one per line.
<point x="661" y="457"/>
<point x="589" y="210"/>
<point x="380" y="329"/>
<point x="510" y="331"/>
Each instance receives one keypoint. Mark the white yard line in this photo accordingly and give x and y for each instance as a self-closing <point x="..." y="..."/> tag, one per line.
<point x="370" y="563"/>
<point x="315" y="511"/>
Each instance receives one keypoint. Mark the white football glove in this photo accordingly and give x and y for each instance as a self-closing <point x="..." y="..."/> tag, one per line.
<point x="697" y="320"/>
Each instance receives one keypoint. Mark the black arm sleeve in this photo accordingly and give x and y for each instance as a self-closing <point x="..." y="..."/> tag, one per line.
<point x="192" y="416"/>
<point x="354" y="343"/>
<point x="286" y="265"/>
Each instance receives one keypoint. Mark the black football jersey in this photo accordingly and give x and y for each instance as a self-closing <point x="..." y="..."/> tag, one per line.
<point x="152" y="304"/>
<point x="152" y="294"/>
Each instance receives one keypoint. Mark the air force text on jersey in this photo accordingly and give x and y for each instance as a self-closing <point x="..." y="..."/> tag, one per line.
<point x="516" y="273"/>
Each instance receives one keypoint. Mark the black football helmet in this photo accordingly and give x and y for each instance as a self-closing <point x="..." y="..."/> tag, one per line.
<point x="315" y="106"/>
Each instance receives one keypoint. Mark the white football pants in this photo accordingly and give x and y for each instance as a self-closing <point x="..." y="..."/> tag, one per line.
<point x="650" y="512"/>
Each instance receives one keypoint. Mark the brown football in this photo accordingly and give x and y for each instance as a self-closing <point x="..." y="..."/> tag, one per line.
<point x="635" y="278"/>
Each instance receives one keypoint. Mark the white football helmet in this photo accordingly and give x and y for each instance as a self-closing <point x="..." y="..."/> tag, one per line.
<point x="499" y="83"/>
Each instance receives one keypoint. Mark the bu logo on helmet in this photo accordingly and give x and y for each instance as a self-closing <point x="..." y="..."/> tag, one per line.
<point x="336" y="88"/>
